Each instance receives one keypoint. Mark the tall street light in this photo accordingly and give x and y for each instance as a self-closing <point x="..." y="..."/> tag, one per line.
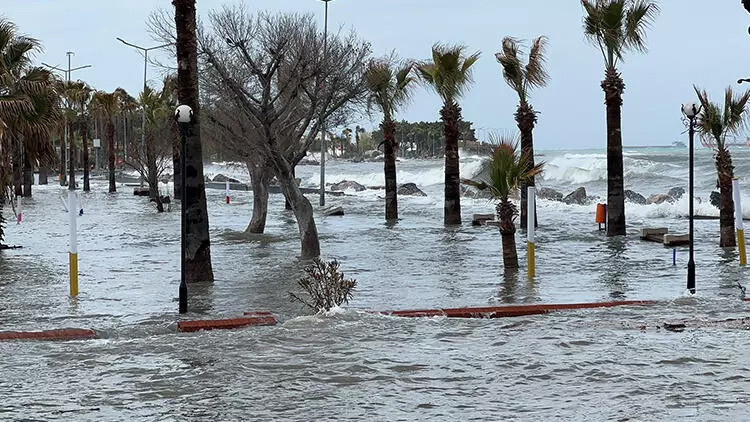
<point x="67" y="72"/>
<point x="691" y="111"/>
<point x="322" y="114"/>
<point x="183" y="114"/>
<point x="143" y="107"/>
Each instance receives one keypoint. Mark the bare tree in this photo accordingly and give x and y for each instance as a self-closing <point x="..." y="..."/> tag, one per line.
<point x="272" y="69"/>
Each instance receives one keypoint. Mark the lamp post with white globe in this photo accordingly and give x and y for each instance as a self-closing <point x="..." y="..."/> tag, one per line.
<point x="183" y="114"/>
<point x="691" y="111"/>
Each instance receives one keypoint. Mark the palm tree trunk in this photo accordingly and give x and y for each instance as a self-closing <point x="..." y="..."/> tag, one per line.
<point x="111" y="154"/>
<point x="725" y="170"/>
<point x="72" y="164"/>
<point x="28" y="174"/>
<point x="18" y="169"/>
<point x="613" y="87"/>
<point x="389" y="159"/>
<point x="451" y="115"/>
<point x="198" y="242"/>
<point x="85" y="144"/>
<point x="260" y="176"/>
<point x="43" y="175"/>
<point x="506" y="210"/>
<point x="526" y="120"/>
<point x="62" y="159"/>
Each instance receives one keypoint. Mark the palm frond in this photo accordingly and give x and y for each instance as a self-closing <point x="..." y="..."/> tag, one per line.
<point x="715" y="123"/>
<point x="616" y="26"/>
<point x="640" y="16"/>
<point x="536" y="71"/>
<point x="449" y="73"/>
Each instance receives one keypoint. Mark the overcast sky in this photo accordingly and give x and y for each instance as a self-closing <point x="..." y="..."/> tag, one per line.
<point x="702" y="42"/>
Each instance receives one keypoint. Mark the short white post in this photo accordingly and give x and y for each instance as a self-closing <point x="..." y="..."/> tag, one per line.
<point x="73" y="253"/>
<point x="227" y="191"/>
<point x="530" y="200"/>
<point x="738" y="220"/>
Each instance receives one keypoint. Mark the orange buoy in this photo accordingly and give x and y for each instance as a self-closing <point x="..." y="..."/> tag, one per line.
<point x="601" y="213"/>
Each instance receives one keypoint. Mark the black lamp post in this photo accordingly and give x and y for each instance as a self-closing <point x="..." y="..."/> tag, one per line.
<point x="183" y="114"/>
<point x="691" y="110"/>
<point x="322" y="116"/>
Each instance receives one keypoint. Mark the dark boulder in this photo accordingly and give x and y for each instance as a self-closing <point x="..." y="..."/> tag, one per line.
<point x="635" y="197"/>
<point x="577" y="197"/>
<point x="348" y="185"/>
<point x="659" y="198"/>
<point x="548" y="193"/>
<point x="410" y="189"/>
<point x="676" y="193"/>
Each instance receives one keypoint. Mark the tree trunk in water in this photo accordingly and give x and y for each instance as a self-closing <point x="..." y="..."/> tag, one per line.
<point x="151" y="176"/>
<point x="526" y="120"/>
<point x="287" y="204"/>
<point x="18" y="169"/>
<point x="260" y="176"/>
<point x="510" y="255"/>
<point x="43" y="175"/>
<point x="506" y="211"/>
<point x="303" y="211"/>
<point x="61" y="175"/>
<point x="111" y="154"/>
<point x="725" y="172"/>
<point x="613" y="87"/>
<point x="451" y="115"/>
<point x="198" y="242"/>
<point x="389" y="165"/>
<point x="85" y="144"/>
<point x="28" y="175"/>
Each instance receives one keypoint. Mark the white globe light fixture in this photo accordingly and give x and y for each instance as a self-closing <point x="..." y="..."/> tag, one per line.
<point x="183" y="114"/>
<point x="690" y="110"/>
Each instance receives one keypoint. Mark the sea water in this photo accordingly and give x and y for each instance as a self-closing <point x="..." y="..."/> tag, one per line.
<point x="607" y="364"/>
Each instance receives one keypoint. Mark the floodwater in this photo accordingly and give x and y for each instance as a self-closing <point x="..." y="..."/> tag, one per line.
<point x="606" y="364"/>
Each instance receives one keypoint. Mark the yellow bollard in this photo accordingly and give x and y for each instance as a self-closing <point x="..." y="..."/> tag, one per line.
<point x="530" y="200"/>
<point x="73" y="252"/>
<point x="73" y="263"/>
<point x="738" y="221"/>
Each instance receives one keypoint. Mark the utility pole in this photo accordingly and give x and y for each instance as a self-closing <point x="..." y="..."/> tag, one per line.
<point x="145" y="51"/>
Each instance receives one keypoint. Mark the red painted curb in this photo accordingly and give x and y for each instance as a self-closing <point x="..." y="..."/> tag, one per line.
<point x="225" y="324"/>
<point x="61" y="334"/>
<point x="512" y="310"/>
<point x="746" y="299"/>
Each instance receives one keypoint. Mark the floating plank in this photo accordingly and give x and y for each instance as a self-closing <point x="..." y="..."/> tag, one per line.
<point x="225" y="324"/>
<point x="512" y="310"/>
<point x="58" y="335"/>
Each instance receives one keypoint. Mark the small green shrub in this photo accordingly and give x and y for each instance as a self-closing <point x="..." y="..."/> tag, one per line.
<point x="325" y="285"/>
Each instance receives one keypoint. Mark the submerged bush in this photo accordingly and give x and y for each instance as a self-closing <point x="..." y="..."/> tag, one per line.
<point x="325" y="285"/>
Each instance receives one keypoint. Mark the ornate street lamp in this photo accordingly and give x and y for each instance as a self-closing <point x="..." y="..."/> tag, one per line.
<point x="691" y="112"/>
<point x="322" y="116"/>
<point x="183" y="114"/>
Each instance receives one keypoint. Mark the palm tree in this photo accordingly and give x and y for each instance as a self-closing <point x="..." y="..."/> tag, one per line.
<point x="198" y="243"/>
<point x="449" y="74"/>
<point x="523" y="79"/>
<point x="508" y="170"/>
<point x="107" y="105"/>
<point x="28" y="107"/>
<point x="715" y="124"/>
<point x="389" y="88"/>
<point x="616" y="26"/>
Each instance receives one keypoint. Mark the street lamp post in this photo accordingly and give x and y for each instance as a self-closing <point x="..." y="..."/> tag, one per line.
<point x="67" y="72"/>
<point x="143" y="107"/>
<point x="184" y="116"/>
<point x="322" y="114"/>
<point x="691" y="111"/>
